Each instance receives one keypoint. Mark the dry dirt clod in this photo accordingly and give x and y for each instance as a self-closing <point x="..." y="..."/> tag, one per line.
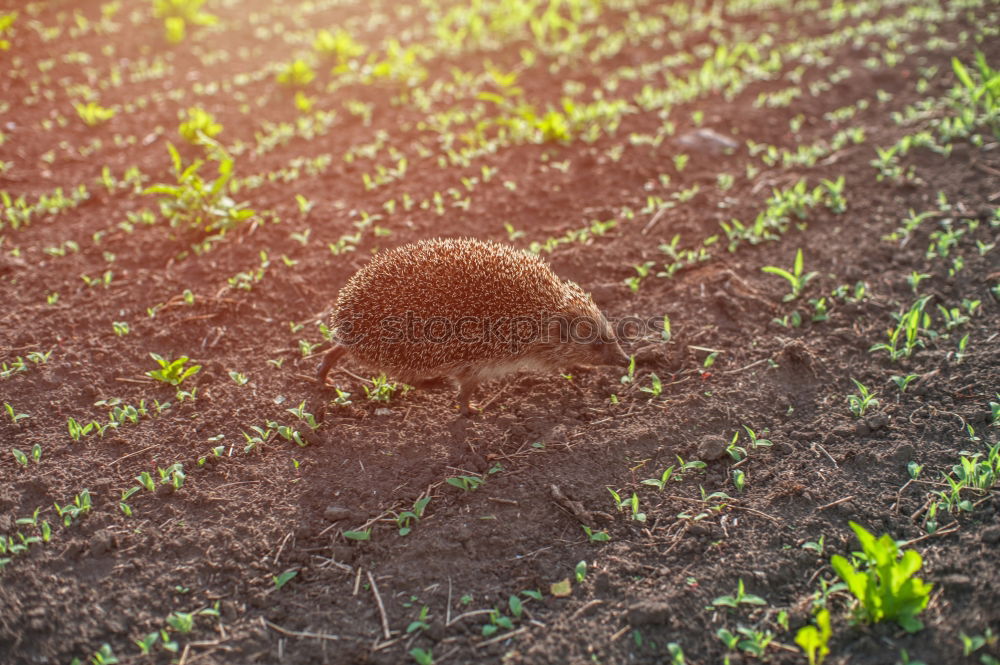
<point x="711" y="448"/>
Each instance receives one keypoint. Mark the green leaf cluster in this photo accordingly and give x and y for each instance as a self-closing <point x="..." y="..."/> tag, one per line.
<point x="198" y="203"/>
<point x="886" y="590"/>
<point x="172" y="371"/>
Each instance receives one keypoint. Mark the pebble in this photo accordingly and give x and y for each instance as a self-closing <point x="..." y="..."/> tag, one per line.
<point x="991" y="534"/>
<point x="336" y="513"/>
<point x="711" y="448"/>
<point x="648" y="612"/>
<point x="878" y="421"/>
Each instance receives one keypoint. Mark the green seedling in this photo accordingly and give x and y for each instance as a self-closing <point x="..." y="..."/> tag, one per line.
<point x="973" y="643"/>
<point x="661" y="482"/>
<point x="814" y="640"/>
<point x="655" y="387"/>
<point x="121" y="328"/>
<point x="173" y="475"/>
<point x="289" y="434"/>
<point x="406" y="519"/>
<point x="864" y="400"/>
<point x="886" y="589"/>
<point x="903" y="381"/>
<point x="93" y="114"/>
<point x="147" y="643"/>
<point x="498" y="621"/>
<point x="915" y="278"/>
<point x="465" y="483"/>
<point x="172" y="371"/>
<point x="422" y="656"/>
<point x="14" y="415"/>
<point x="739" y="479"/>
<point x="736" y="452"/>
<point x="19" y="456"/>
<point x="303" y="415"/>
<point x="904" y="338"/>
<point x="195" y="203"/>
<point x="420" y="623"/>
<point x="816" y="546"/>
<point x="146" y="480"/>
<point x="382" y="389"/>
<point x="177" y="14"/>
<point x="81" y="506"/>
<point x="796" y="279"/>
<point x="197" y="125"/>
<point x="284" y="578"/>
<point x="358" y="535"/>
<point x="296" y="74"/>
<point x="630" y="375"/>
<point x="239" y="378"/>
<point x="595" y="536"/>
<point x="126" y="495"/>
<point x="76" y="430"/>
<point x="741" y="598"/>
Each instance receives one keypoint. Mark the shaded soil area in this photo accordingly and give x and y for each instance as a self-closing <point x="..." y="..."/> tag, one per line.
<point x="273" y="552"/>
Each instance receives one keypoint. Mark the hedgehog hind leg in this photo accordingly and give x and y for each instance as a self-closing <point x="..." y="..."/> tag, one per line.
<point x="332" y="356"/>
<point x="468" y="383"/>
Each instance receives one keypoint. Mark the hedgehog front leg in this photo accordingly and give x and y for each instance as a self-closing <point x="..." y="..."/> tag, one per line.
<point x="332" y="356"/>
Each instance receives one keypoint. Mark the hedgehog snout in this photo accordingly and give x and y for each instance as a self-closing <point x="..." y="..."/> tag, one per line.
<point x="611" y="353"/>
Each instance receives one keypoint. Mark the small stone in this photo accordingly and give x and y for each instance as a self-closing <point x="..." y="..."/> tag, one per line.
<point x="648" y="612"/>
<point x="336" y="513"/>
<point x="711" y="448"/>
<point x="102" y="542"/>
<point x="957" y="581"/>
<point x="991" y="534"/>
<point x="862" y="429"/>
<point x="707" y="140"/>
<point x="878" y="421"/>
<point x="903" y="454"/>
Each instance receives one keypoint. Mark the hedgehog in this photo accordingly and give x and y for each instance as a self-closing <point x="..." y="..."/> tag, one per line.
<point x="464" y="311"/>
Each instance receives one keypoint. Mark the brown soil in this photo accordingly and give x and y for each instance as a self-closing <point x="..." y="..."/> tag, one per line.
<point x="547" y="449"/>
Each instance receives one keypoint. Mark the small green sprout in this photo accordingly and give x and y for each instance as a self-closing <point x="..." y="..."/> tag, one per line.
<point x="198" y="123"/>
<point x="296" y="74"/>
<point x="796" y="279"/>
<point x="358" y="535"/>
<point x="661" y="482"/>
<point x="172" y="371"/>
<point x="422" y="656"/>
<point x="864" y="400"/>
<point x="14" y="415"/>
<point x="814" y="639"/>
<point x="93" y="114"/>
<point x="596" y="536"/>
<point x="741" y="598"/>
<point x="407" y="518"/>
<point x="903" y="381"/>
<point x="465" y="483"/>
<point x="284" y="578"/>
